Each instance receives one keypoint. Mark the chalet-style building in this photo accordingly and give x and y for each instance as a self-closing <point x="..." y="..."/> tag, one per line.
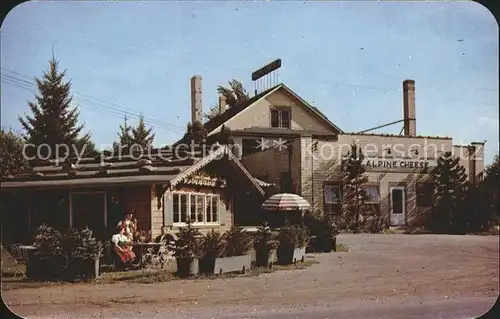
<point x="162" y="188"/>
<point x="397" y="165"/>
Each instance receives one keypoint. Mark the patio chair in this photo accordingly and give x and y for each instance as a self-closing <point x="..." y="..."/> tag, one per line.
<point x="20" y="255"/>
<point x="162" y="257"/>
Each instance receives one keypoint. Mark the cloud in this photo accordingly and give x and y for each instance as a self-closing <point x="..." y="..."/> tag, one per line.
<point x="489" y="122"/>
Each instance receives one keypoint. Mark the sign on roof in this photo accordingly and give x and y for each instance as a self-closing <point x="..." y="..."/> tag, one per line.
<point x="276" y="64"/>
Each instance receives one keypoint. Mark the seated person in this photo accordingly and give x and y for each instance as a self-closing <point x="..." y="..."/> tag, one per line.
<point x="124" y="252"/>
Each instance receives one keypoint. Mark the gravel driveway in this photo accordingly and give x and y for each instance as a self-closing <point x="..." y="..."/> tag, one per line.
<point x="378" y="270"/>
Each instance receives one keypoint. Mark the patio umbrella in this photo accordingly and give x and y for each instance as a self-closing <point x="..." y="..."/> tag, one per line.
<point x="285" y="202"/>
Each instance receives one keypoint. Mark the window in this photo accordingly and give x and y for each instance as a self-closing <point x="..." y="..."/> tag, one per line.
<point x="280" y="118"/>
<point x="202" y="208"/>
<point x="332" y="194"/>
<point x="372" y="195"/>
<point x="424" y="194"/>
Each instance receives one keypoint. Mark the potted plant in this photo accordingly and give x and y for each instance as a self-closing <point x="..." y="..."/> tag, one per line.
<point x="47" y="261"/>
<point x="327" y="235"/>
<point x="83" y="253"/>
<point x="236" y="255"/>
<point x="212" y="247"/>
<point x="187" y="251"/>
<point x="265" y="248"/>
<point x="292" y="244"/>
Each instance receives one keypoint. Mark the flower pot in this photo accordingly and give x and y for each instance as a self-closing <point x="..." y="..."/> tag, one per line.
<point x="187" y="267"/>
<point x="233" y="264"/>
<point x="265" y="257"/>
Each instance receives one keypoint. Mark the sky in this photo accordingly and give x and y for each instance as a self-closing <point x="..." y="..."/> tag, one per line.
<point x="349" y="59"/>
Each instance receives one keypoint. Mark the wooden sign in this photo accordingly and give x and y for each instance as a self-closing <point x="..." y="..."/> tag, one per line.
<point x="276" y="64"/>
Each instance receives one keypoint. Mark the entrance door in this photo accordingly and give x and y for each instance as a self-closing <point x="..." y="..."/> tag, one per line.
<point x="398" y="206"/>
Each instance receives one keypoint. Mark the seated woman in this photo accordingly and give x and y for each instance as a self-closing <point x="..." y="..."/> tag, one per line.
<point x="124" y="252"/>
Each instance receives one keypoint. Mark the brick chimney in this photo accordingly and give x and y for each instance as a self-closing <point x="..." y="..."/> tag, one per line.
<point x="196" y="99"/>
<point x="222" y="103"/>
<point x="410" y="126"/>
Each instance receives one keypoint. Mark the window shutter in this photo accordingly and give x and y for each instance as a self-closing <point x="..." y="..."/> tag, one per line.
<point x="223" y="213"/>
<point x="168" y="209"/>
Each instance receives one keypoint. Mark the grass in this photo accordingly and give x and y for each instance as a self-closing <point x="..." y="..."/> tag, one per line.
<point x="156" y="276"/>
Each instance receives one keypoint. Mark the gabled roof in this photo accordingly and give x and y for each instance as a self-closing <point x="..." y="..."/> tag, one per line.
<point x="220" y="119"/>
<point x="160" y="166"/>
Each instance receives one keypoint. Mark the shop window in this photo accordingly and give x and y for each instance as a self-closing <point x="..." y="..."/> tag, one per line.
<point x="425" y="194"/>
<point x="332" y="199"/>
<point x="372" y="194"/>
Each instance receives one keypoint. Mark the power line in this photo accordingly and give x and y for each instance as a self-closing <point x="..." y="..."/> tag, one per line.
<point x="432" y="85"/>
<point x="109" y="107"/>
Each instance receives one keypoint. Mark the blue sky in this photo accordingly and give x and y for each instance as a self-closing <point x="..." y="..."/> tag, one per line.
<point x="139" y="57"/>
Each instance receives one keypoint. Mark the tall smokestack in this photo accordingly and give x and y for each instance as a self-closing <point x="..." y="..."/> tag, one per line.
<point x="410" y="126"/>
<point x="196" y="99"/>
<point x="222" y="103"/>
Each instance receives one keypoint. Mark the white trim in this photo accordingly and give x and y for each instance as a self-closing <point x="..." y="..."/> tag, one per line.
<point x="393" y="221"/>
<point x="215" y="130"/>
<point x="188" y="208"/>
<point x="88" y="193"/>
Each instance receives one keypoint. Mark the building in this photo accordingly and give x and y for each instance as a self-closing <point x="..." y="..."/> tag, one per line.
<point x="282" y="139"/>
<point x="165" y="187"/>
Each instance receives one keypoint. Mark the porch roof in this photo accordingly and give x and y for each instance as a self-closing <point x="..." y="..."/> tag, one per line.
<point x="160" y="166"/>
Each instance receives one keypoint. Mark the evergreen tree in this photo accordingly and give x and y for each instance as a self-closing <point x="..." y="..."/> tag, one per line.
<point x="11" y="149"/>
<point x="141" y="135"/>
<point x="129" y="136"/>
<point x="450" y="184"/>
<point x="54" y="121"/>
<point x="195" y="132"/>
<point x="353" y="192"/>
<point x="234" y="95"/>
<point x="489" y="189"/>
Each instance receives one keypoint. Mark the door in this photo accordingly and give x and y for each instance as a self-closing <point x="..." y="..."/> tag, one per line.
<point x="398" y="206"/>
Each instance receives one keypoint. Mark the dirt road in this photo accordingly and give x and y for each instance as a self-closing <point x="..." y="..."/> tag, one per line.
<point x="378" y="271"/>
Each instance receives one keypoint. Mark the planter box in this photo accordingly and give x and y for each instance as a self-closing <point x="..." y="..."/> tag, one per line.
<point x="266" y="258"/>
<point x="83" y="268"/>
<point x="187" y="267"/>
<point x="232" y="264"/>
<point x="44" y="269"/>
<point x="287" y="256"/>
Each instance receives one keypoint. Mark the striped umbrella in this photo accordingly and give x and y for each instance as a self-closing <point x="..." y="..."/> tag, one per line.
<point x="284" y="202"/>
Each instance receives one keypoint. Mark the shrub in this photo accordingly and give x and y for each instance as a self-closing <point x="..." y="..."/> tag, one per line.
<point x="303" y="236"/>
<point x="48" y="242"/>
<point x="238" y="242"/>
<point x="263" y="239"/>
<point x="213" y="245"/>
<point x="80" y="244"/>
<point x="288" y="237"/>
<point x="188" y="245"/>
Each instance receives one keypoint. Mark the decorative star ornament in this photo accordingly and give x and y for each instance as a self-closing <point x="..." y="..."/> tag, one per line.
<point x="262" y="144"/>
<point x="280" y="144"/>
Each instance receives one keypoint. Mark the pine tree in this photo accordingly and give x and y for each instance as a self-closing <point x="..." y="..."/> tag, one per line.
<point x="353" y="192"/>
<point x="450" y="183"/>
<point x="11" y="149"/>
<point x="489" y="191"/>
<point x="54" y="121"/>
<point x="124" y="142"/>
<point x="234" y="95"/>
<point x="195" y="133"/>
<point x="129" y="136"/>
<point x="141" y="135"/>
